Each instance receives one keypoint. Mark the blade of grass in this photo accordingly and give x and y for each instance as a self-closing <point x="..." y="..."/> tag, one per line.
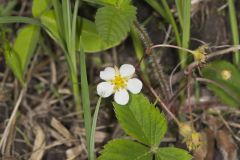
<point x="165" y="11"/>
<point x="58" y="14"/>
<point x="185" y="30"/>
<point x="67" y="25"/>
<point x="63" y="18"/>
<point x="19" y="19"/>
<point x="8" y="8"/>
<point x="74" y="23"/>
<point x="179" y="6"/>
<point x="85" y="98"/>
<point x="234" y="28"/>
<point x="93" y="130"/>
<point x="172" y="21"/>
<point x="154" y="4"/>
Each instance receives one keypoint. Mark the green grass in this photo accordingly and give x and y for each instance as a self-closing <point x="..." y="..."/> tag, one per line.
<point x="234" y="28"/>
<point x="181" y="32"/>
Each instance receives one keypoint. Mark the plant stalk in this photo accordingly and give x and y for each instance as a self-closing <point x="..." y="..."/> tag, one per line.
<point x="93" y="130"/>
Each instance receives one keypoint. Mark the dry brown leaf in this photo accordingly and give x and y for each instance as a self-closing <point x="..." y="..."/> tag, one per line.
<point x="57" y="125"/>
<point x="201" y="152"/>
<point x="59" y="137"/>
<point x="39" y="143"/>
<point x="8" y="135"/>
<point x="226" y="145"/>
<point x="100" y="136"/>
<point x="74" y="152"/>
<point x="8" y="158"/>
<point x="211" y="144"/>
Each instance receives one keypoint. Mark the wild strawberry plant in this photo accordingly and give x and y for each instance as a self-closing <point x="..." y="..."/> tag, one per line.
<point x="147" y="126"/>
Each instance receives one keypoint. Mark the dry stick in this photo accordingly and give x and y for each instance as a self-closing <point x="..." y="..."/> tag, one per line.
<point x="152" y="91"/>
<point x="8" y="135"/>
<point x="164" y="106"/>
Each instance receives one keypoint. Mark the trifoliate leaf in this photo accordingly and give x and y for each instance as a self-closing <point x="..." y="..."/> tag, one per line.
<point x="113" y="23"/>
<point x="141" y="120"/>
<point x="227" y="78"/>
<point x="171" y="153"/>
<point x="123" y="149"/>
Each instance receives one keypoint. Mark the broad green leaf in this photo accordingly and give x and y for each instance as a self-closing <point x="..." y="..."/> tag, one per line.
<point x="141" y="120"/>
<point x="171" y="153"/>
<point x="26" y="43"/>
<point x="227" y="78"/>
<point x="39" y="6"/>
<point x="49" y="22"/>
<point x="113" y="23"/>
<point x="13" y="61"/>
<point x="123" y="149"/>
<point x="18" y="56"/>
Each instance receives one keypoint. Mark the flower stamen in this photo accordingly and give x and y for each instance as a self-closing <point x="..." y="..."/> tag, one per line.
<point x="119" y="82"/>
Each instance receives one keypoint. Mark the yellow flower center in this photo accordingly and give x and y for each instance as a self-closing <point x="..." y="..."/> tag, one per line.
<point x="119" y="82"/>
<point x="226" y="74"/>
<point x="200" y="54"/>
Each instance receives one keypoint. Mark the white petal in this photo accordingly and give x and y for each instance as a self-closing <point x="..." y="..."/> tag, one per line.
<point x="107" y="74"/>
<point x="121" y="97"/>
<point x="127" y="70"/>
<point x="104" y="89"/>
<point x="134" y="85"/>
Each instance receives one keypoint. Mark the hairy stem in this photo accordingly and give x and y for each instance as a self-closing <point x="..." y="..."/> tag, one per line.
<point x="158" y="69"/>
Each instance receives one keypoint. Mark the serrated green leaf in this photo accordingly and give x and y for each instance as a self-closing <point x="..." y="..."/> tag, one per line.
<point x="141" y="120"/>
<point x="113" y="24"/>
<point x="227" y="78"/>
<point x="123" y="149"/>
<point x="171" y="153"/>
<point x="39" y="6"/>
<point x="109" y="2"/>
<point x="90" y="38"/>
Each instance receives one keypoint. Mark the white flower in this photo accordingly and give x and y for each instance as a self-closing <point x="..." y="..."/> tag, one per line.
<point x="118" y="81"/>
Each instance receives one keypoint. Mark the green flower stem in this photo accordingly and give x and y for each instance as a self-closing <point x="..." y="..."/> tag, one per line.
<point x="94" y="123"/>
